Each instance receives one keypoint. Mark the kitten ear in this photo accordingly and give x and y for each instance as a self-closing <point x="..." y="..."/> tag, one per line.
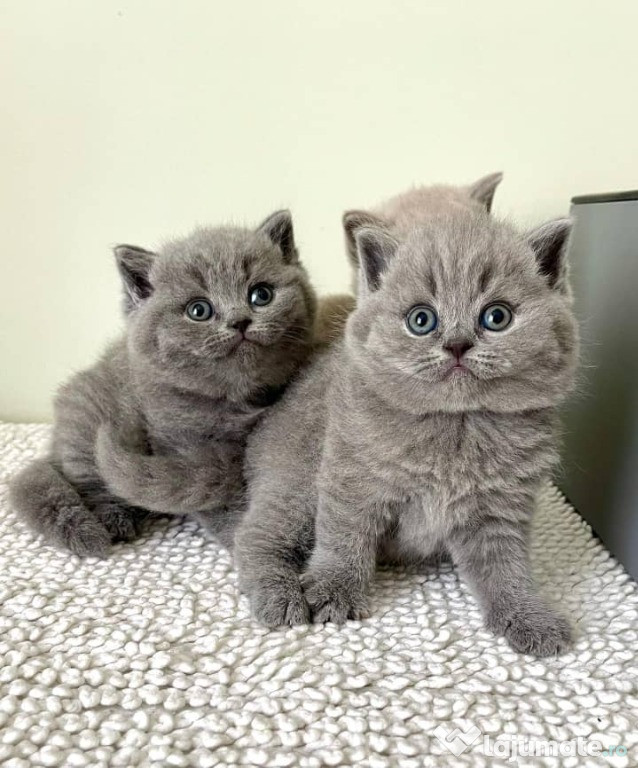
<point x="549" y="243"/>
<point x="375" y="249"/>
<point x="134" y="265"/>
<point x="278" y="229"/>
<point x="483" y="190"/>
<point x="353" y="221"/>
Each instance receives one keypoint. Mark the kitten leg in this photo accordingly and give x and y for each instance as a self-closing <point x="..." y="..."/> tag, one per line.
<point x="342" y="564"/>
<point x="271" y="546"/>
<point x="493" y="558"/>
<point x="52" y="506"/>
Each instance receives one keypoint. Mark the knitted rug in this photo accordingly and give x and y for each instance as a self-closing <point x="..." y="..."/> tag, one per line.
<point x="150" y="658"/>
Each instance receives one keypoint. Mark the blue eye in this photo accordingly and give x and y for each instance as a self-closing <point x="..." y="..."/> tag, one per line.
<point x="496" y="317"/>
<point x="261" y="294"/>
<point x="199" y="310"/>
<point x="421" y="320"/>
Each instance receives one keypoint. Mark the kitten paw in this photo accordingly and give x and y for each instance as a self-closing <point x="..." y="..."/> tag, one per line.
<point x="333" y="600"/>
<point x="279" y="601"/>
<point x="534" y="630"/>
<point x="89" y="538"/>
<point x="122" y="524"/>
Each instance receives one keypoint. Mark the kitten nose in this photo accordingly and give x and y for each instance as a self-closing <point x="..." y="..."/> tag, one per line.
<point x="458" y="347"/>
<point x="240" y="325"/>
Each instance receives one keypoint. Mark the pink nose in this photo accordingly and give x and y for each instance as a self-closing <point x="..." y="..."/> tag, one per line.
<point x="458" y="347"/>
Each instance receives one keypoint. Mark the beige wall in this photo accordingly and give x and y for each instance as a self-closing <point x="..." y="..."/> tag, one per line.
<point x="131" y="121"/>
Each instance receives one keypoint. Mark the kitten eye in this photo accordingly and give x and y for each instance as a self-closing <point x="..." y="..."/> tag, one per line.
<point x="421" y="320"/>
<point x="261" y="294"/>
<point x="496" y="317"/>
<point x="199" y="310"/>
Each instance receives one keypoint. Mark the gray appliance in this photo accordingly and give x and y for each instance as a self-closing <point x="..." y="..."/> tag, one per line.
<point x="600" y="455"/>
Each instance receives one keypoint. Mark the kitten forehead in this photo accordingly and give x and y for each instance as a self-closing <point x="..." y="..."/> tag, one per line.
<point x="219" y="245"/>
<point x="464" y="251"/>
<point x="214" y="255"/>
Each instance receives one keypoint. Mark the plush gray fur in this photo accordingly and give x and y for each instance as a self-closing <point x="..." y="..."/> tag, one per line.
<point x="160" y="422"/>
<point x="383" y="450"/>
<point x="417" y="207"/>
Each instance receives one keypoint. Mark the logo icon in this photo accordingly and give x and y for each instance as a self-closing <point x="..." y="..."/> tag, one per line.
<point x="457" y="741"/>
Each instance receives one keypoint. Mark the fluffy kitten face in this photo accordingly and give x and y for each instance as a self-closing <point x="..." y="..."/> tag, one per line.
<point x="466" y="315"/>
<point x="225" y="309"/>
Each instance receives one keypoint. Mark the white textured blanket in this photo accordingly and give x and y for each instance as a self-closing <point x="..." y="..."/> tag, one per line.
<point x="150" y="658"/>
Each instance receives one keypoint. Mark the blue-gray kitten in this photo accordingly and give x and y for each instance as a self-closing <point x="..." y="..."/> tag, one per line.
<point x="426" y="433"/>
<point x="217" y="324"/>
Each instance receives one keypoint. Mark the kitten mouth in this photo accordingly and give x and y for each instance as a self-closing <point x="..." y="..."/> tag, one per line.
<point x="458" y="371"/>
<point x="243" y="344"/>
<point x="239" y="344"/>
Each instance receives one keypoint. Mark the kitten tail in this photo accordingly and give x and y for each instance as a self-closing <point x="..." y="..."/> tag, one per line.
<point x="51" y="506"/>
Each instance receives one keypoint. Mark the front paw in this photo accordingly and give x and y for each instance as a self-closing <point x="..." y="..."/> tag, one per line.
<point x="278" y="601"/>
<point x="122" y="524"/>
<point x="333" y="599"/>
<point x="532" y="629"/>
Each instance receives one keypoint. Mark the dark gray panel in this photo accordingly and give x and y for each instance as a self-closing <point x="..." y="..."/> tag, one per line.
<point x="600" y="454"/>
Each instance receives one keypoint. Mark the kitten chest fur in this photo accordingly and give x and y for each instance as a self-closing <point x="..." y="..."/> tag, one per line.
<point x="427" y="474"/>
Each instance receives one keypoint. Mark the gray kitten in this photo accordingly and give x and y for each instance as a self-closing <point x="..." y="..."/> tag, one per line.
<point x="217" y="324"/>
<point x="425" y="433"/>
